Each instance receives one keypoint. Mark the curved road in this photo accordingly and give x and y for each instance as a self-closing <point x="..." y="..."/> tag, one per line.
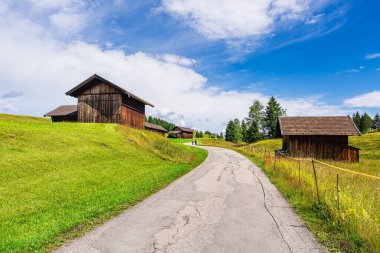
<point x="226" y="205"/>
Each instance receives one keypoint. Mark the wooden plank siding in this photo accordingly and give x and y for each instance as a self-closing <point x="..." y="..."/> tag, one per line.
<point x="104" y="108"/>
<point x="320" y="147"/>
<point x="103" y="104"/>
<point x="132" y="117"/>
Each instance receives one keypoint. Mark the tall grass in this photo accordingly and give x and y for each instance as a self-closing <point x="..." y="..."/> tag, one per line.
<point x="355" y="219"/>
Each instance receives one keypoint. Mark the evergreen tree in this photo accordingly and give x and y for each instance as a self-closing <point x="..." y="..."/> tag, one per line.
<point x="272" y="111"/>
<point x="365" y="123"/>
<point x="356" y="118"/>
<point x="244" y="131"/>
<point x="221" y="135"/>
<point x="376" y="122"/>
<point x="253" y="133"/>
<point x="232" y="132"/>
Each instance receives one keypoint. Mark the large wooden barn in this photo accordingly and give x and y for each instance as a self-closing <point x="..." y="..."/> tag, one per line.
<point x="101" y="101"/>
<point x="319" y="137"/>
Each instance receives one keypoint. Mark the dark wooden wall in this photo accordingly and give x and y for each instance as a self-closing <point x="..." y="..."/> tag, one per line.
<point x="320" y="147"/>
<point x="102" y="103"/>
<point x="68" y="118"/>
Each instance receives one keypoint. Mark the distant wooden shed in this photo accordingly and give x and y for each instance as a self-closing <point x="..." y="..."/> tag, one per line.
<point x="319" y="137"/>
<point x="64" y="113"/>
<point x="183" y="132"/>
<point x="155" y="128"/>
<point x="102" y="101"/>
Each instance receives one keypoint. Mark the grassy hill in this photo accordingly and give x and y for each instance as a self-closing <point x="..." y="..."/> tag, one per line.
<point x="60" y="179"/>
<point x="351" y="226"/>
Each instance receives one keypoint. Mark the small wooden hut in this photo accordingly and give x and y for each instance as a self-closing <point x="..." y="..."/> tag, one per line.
<point x="101" y="101"/>
<point x="183" y="132"/>
<point x="64" y="113"/>
<point x="319" y="137"/>
<point x="155" y="128"/>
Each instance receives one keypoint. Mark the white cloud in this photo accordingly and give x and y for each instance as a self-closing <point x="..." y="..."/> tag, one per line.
<point x="226" y="19"/>
<point x="34" y="62"/>
<point x="68" y="21"/>
<point x="177" y="59"/>
<point x="371" y="99"/>
<point x="352" y="71"/>
<point x="373" y="56"/>
<point x="56" y="4"/>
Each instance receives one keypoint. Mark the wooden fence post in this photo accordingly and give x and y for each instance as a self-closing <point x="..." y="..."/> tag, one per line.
<point x="316" y="181"/>
<point x="274" y="165"/>
<point x="299" y="173"/>
<point x="337" y="190"/>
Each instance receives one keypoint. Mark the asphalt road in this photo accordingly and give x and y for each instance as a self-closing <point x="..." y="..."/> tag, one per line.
<point x="227" y="204"/>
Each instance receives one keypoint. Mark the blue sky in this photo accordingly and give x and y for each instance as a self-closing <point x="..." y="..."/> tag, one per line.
<point x="200" y="62"/>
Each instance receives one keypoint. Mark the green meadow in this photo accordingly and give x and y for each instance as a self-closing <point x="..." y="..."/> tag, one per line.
<point x="347" y="220"/>
<point x="59" y="180"/>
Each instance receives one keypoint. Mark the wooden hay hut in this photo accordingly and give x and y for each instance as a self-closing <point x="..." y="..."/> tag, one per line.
<point x="63" y="113"/>
<point x="155" y="128"/>
<point x="101" y="101"/>
<point x="183" y="132"/>
<point x="319" y="137"/>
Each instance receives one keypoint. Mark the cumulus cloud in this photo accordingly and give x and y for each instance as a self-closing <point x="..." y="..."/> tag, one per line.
<point x="36" y="63"/>
<point x="370" y="99"/>
<point x="226" y="19"/>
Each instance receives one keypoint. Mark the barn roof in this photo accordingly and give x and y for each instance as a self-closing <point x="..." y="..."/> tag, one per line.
<point x="155" y="127"/>
<point x="324" y="125"/>
<point x="185" y="129"/>
<point x="63" y="110"/>
<point x="74" y="92"/>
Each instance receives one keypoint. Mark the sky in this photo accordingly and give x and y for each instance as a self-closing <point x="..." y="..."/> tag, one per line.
<point x="201" y="63"/>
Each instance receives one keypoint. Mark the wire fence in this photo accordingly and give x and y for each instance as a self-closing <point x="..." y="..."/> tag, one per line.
<point x="351" y="198"/>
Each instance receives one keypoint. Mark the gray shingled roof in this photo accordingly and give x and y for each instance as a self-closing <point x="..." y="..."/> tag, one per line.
<point x="323" y="125"/>
<point x="185" y="129"/>
<point x="155" y="127"/>
<point x="63" y="110"/>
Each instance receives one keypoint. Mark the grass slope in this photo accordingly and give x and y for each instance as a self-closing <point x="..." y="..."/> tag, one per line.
<point x="60" y="179"/>
<point x="355" y="226"/>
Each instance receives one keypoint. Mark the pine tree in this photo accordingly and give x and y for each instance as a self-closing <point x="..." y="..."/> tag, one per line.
<point x="244" y="131"/>
<point x="232" y="131"/>
<point x="376" y="122"/>
<point x="365" y="123"/>
<point x="272" y="111"/>
<point x="356" y="118"/>
<point x="253" y="133"/>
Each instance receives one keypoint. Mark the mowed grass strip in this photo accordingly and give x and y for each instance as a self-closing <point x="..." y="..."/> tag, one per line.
<point x="354" y="225"/>
<point x="60" y="179"/>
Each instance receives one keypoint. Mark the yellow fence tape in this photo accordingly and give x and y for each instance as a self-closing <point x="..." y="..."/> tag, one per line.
<point x="350" y="171"/>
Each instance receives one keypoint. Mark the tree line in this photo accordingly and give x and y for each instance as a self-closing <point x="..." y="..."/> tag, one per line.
<point x="167" y="125"/>
<point x="262" y="122"/>
<point x="365" y="123"/>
